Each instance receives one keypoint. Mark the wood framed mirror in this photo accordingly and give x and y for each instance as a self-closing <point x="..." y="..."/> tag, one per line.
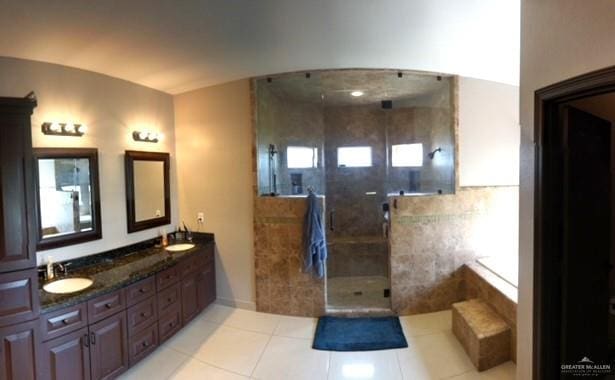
<point x="67" y="196"/>
<point x="148" y="198"/>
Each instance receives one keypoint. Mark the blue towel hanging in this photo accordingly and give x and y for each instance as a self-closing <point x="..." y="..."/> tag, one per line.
<point x="314" y="239"/>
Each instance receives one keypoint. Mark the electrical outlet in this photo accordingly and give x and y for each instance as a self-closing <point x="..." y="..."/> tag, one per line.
<point x="200" y="218"/>
<point x="158" y="213"/>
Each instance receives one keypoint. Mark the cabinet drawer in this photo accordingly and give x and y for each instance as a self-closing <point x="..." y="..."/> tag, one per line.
<point x="18" y="297"/>
<point x="63" y="321"/>
<point x="141" y="290"/>
<point x="141" y="344"/>
<point x="106" y="305"/>
<point x="169" y="324"/>
<point x="142" y="315"/>
<point x="167" y="278"/>
<point x="169" y="298"/>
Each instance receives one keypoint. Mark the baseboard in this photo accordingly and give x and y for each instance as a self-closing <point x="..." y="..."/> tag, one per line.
<point x="236" y="303"/>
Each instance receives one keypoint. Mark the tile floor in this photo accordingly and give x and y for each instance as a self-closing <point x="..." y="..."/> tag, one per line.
<point x="224" y="343"/>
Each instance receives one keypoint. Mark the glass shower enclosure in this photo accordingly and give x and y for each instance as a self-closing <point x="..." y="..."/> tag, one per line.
<point x="357" y="137"/>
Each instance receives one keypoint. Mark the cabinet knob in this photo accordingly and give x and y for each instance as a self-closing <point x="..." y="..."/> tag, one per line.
<point x="65" y="321"/>
<point x="141" y="290"/>
<point x="108" y="305"/>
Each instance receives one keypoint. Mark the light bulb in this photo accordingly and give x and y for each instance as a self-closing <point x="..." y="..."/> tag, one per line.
<point x="357" y="93"/>
<point x="82" y="128"/>
<point x="143" y="135"/>
<point x="69" y="127"/>
<point x="151" y="136"/>
<point x="55" y="127"/>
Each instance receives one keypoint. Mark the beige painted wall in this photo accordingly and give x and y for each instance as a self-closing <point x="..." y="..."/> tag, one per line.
<point x="559" y="39"/>
<point x="214" y="147"/>
<point x="488" y="133"/>
<point x="112" y="109"/>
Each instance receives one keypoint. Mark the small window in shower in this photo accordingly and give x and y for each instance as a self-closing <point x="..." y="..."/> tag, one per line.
<point x="301" y="157"/>
<point x="407" y="155"/>
<point x="354" y="156"/>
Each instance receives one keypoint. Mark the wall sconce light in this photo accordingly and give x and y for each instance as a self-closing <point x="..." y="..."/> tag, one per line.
<point x="64" y="129"/>
<point x="144" y="136"/>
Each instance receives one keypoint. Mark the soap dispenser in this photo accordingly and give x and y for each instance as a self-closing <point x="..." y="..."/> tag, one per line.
<point x="50" y="272"/>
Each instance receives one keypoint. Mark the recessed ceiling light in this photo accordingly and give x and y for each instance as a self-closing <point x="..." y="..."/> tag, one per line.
<point x="356" y="93"/>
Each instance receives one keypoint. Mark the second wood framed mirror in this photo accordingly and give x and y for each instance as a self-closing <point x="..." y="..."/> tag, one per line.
<point x="148" y="199"/>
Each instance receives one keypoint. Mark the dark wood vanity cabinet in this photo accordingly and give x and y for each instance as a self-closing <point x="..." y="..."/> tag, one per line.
<point x="102" y="337"/>
<point x="18" y="345"/>
<point x="19" y="302"/>
<point x="17" y="218"/>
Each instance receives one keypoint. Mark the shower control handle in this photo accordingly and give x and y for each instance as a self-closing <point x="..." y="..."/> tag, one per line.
<point x="331" y="220"/>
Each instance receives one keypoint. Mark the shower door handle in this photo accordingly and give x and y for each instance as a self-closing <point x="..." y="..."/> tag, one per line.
<point x="331" y="220"/>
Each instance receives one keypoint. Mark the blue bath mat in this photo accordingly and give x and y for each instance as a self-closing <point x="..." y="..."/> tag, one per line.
<point x="359" y="334"/>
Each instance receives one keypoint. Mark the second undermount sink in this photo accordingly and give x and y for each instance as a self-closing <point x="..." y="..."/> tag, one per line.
<point x="68" y="285"/>
<point x="179" y="247"/>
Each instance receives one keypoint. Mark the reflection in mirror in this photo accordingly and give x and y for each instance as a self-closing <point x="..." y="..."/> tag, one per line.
<point x="149" y="189"/>
<point x="67" y="188"/>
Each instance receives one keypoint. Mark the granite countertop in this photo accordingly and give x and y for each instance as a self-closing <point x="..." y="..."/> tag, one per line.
<point x="117" y="269"/>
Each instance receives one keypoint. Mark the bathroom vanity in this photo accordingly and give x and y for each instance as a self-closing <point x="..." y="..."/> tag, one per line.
<point x="141" y="296"/>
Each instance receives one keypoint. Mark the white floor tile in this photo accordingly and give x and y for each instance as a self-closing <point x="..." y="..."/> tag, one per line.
<point x="506" y="371"/>
<point x="252" y="321"/>
<point x="424" y="324"/>
<point x="190" y="339"/>
<point x="217" y="313"/>
<point x="233" y="349"/>
<point x="158" y="366"/>
<point x="194" y="369"/>
<point x="296" y="327"/>
<point x="291" y="358"/>
<point x="435" y="356"/>
<point x="364" y="365"/>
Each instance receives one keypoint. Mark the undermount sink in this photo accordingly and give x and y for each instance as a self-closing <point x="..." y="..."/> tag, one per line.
<point x="179" y="247"/>
<point x="68" y="285"/>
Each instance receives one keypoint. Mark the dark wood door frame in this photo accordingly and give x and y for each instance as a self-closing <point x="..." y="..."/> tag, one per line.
<point x="547" y="232"/>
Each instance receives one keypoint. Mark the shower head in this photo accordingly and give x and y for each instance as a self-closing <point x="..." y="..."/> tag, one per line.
<point x="433" y="153"/>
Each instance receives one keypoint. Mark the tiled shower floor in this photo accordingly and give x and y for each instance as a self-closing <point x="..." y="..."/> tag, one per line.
<point x="365" y="292"/>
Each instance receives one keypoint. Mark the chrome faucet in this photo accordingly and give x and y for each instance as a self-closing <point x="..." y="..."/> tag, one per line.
<point x="187" y="233"/>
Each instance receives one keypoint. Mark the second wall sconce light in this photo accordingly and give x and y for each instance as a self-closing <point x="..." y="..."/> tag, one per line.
<point x="63" y="129"/>
<point x="152" y="137"/>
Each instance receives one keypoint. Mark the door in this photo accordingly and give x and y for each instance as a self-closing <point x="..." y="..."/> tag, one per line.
<point x="586" y="236"/>
<point x="189" y="298"/>
<point x="206" y="285"/>
<point x="17" y="226"/>
<point x="66" y="357"/>
<point x="17" y="351"/>
<point x="109" y="347"/>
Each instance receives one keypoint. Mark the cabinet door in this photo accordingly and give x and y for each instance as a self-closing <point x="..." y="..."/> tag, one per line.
<point x="66" y="357"/>
<point x="17" y="351"/>
<point x="109" y="347"/>
<point x="18" y="297"/>
<point x="190" y="306"/>
<point x="206" y="286"/>
<point x="17" y="224"/>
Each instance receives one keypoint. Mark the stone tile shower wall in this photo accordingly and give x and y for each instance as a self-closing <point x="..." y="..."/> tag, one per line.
<point x="281" y="286"/>
<point x="432" y="237"/>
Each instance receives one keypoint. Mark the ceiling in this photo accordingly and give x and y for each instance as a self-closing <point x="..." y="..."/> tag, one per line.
<point x="177" y="46"/>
